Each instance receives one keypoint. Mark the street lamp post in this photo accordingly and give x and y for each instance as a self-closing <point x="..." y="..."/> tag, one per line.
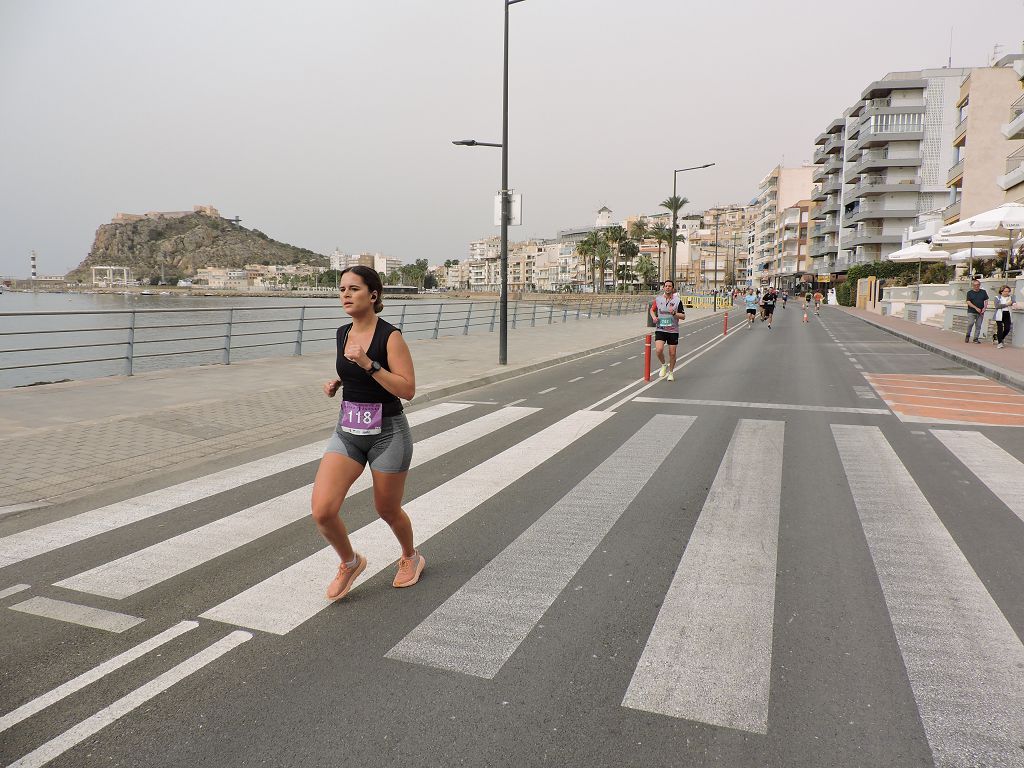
<point x="505" y="201"/>
<point x="675" y="211"/>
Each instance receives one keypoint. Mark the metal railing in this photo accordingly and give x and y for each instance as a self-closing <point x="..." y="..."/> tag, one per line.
<point x="95" y="343"/>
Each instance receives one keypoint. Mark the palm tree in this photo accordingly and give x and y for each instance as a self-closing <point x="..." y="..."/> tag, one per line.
<point x="675" y="204"/>
<point x="660" y="233"/>
<point x="602" y="262"/>
<point x="586" y="249"/>
<point x="646" y="269"/>
<point x="629" y="250"/>
<point x="615" y="236"/>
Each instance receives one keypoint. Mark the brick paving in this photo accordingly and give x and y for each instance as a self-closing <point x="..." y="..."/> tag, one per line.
<point x="64" y="441"/>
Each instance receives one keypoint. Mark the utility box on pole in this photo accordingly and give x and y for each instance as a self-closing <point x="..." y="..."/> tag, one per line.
<point x="515" y="209"/>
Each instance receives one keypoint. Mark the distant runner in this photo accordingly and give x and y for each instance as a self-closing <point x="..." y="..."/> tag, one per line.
<point x="750" y="302"/>
<point x="667" y="311"/>
<point x="817" y="301"/>
<point x="785" y="298"/>
<point x="807" y="307"/>
<point x="769" y="306"/>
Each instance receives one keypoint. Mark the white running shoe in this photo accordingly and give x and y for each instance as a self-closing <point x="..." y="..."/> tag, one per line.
<point x="671" y="376"/>
<point x="662" y="372"/>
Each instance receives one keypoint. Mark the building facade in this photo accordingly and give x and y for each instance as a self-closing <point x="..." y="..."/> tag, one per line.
<point x="782" y="189"/>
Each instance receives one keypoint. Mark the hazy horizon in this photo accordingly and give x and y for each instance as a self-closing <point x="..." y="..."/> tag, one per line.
<point x="329" y="124"/>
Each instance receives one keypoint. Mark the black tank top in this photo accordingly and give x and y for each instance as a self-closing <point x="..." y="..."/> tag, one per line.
<point x="358" y="386"/>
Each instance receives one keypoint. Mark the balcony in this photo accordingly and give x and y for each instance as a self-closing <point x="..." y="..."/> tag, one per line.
<point x="823" y="249"/>
<point x="955" y="174"/>
<point x="831" y="204"/>
<point x="878" y="159"/>
<point x="824" y="228"/>
<point x="834" y="144"/>
<point x="951" y="213"/>
<point x="818" y="175"/>
<point x="960" y="133"/>
<point x="834" y="164"/>
<point x="1014" y="171"/>
<point x="879" y="185"/>
<point x="1015" y="128"/>
<point x="817" y="195"/>
<point x="865" y="234"/>
<point x="868" y="212"/>
<point x="832" y="184"/>
<point x="819" y="156"/>
<point x="871" y="136"/>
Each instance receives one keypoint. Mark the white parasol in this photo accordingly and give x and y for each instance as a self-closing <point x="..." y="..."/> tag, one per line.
<point x="1005" y="222"/>
<point x="918" y="252"/>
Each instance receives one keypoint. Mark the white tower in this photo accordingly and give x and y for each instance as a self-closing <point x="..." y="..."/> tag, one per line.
<point x="604" y="216"/>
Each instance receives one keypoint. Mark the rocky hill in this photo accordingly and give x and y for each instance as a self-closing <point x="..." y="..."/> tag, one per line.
<point x="183" y="244"/>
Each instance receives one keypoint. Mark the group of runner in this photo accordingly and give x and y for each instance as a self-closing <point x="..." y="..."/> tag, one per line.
<point x="765" y="301"/>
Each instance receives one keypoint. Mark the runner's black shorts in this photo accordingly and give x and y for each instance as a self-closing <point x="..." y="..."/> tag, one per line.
<point x="751" y="311"/>
<point x="672" y="339"/>
<point x="769" y="309"/>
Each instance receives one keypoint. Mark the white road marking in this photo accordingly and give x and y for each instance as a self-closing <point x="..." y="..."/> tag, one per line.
<point x="13" y="590"/>
<point x="91" y="725"/>
<point x="960" y="400"/>
<point x="40" y="703"/>
<point x="774" y="406"/>
<point x="97" y="618"/>
<point x="708" y="657"/>
<point x="545" y="391"/>
<point x="474" y="402"/>
<point x="633" y="357"/>
<point x="617" y="362"/>
<point x="62" y="533"/>
<point x="147" y="567"/>
<point x="995" y="467"/>
<point x="895" y="400"/>
<point x="679" y="365"/>
<point x="284" y="601"/>
<point x="953" y="391"/>
<point x="578" y="378"/>
<point x="478" y="628"/>
<point x="516" y="402"/>
<point x="597" y="371"/>
<point x="964" y="661"/>
<point x="10" y="508"/>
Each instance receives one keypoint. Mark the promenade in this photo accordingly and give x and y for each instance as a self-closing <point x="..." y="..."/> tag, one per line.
<point x="69" y="440"/>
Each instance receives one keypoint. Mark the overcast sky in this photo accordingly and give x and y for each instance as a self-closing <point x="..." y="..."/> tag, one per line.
<point x="329" y="123"/>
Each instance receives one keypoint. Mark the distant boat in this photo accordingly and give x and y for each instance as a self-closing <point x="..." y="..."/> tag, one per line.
<point x="145" y="293"/>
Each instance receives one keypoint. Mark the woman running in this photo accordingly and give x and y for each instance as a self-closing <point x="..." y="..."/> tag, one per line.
<point x="374" y="370"/>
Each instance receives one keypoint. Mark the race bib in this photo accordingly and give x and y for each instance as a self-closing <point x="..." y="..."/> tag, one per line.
<point x="360" y="418"/>
<point x="665" y="322"/>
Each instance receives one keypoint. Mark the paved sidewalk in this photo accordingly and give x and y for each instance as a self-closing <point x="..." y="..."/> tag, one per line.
<point x="1004" y="365"/>
<point x="65" y="441"/>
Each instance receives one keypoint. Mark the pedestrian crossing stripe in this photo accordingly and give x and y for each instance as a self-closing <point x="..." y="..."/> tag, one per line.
<point x="62" y="533"/>
<point x="964" y="662"/>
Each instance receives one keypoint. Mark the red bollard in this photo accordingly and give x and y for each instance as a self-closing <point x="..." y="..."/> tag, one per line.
<point x="647" y="357"/>
<point x="725" y="324"/>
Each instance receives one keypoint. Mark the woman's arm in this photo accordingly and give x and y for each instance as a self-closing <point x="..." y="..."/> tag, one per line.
<point x="400" y="381"/>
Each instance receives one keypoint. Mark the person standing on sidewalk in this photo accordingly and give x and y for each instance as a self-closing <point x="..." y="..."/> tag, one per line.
<point x="666" y="312"/>
<point x="977" y="301"/>
<point x="1003" y="304"/>
<point x="374" y="371"/>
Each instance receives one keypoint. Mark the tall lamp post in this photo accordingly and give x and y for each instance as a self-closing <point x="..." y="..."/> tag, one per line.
<point x="505" y="202"/>
<point x="675" y="211"/>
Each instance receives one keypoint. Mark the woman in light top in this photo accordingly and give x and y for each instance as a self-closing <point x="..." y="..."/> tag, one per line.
<point x="1004" y="302"/>
<point x="375" y="373"/>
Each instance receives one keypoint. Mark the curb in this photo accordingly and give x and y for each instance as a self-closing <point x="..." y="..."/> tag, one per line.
<point x="1010" y="379"/>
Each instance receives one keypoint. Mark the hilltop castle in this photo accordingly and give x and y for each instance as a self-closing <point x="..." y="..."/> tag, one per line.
<point x="203" y="210"/>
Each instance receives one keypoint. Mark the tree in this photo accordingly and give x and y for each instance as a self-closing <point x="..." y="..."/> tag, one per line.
<point x="585" y="251"/>
<point x="646" y="269"/>
<point x="429" y="281"/>
<point x="615" y="236"/>
<point x="675" y="203"/>
<point x="629" y="250"/>
<point x="602" y="262"/>
<point x="660" y="233"/>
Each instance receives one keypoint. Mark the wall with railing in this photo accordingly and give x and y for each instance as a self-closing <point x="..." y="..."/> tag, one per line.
<point x="52" y="346"/>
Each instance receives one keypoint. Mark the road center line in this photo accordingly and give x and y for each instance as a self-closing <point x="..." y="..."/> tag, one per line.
<point x="545" y="391"/>
<point x="578" y="378"/>
<point x="770" y="406"/>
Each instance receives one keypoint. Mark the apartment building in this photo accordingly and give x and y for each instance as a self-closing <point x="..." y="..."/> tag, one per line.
<point x="1012" y="178"/>
<point x="719" y="247"/>
<point x="782" y="189"/>
<point x="882" y="167"/>
<point x="980" y="146"/>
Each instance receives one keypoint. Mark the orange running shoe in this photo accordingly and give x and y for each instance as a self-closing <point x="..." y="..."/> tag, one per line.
<point x="341" y="584"/>
<point x="409" y="570"/>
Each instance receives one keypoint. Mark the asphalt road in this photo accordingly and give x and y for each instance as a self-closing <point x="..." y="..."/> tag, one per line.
<point x="772" y="561"/>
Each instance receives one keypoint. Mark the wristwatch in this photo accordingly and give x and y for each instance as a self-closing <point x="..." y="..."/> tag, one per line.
<point x="374" y="367"/>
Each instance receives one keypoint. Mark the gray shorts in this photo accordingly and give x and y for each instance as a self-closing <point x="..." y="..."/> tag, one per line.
<point x="390" y="451"/>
